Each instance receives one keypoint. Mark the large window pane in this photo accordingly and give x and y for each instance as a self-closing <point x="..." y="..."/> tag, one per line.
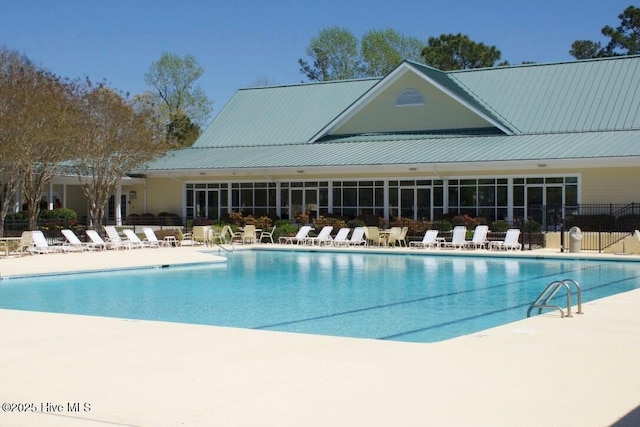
<point x="487" y="196"/>
<point x="468" y="196"/>
<point x="350" y="197"/>
<point x="366" y="197"/>
<point x="261" y="197"/>
<point x="518" y="196"/>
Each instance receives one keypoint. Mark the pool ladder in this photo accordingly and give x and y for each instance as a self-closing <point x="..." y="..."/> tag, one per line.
<point x="550" y="291"/>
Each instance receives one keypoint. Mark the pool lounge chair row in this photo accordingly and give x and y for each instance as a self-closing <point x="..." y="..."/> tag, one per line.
<point x="478" y="241"/>
<point x="324" y="237"/>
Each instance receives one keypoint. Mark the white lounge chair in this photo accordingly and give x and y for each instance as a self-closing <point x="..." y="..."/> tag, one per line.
<point x="479" y="239"/>
<point x="510" y="242"/>
<point x="300" y="236"/>
<point x="74" y="242"/>
<point x="133" y="239"/>
<point x="41" y="246"/>
<point x="151" y="239"/>
<point x="96" y="241"/>
<point x="342" y="238"/>
<point x="323" y="238"/>
<point x="429" y="240"/>
<point x="357" y="237"/>
<point x="459" y="238"/>
<point x="114" y="240"/>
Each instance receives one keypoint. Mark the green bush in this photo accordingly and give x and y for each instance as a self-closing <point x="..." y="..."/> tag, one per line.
<point x="61" y="213"/>
<point x="465" y="220"/>
<point x="322" y="221"/>
<point x="500" y="226"/>
<point x="167" y="218"/>
<point x="284" y="228"/>
<point x="532" y="226"/>
<point x="442" y="225"/>
<point x="356" y="222"/>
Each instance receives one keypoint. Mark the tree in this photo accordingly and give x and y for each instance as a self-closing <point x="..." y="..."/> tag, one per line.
<point x="384" y="50"/>
<point x="173" y="79"/>
<point x="10" y="165"/>
<point x="585" y="49"/>
<point x="458" y="52"/>
<point x="335" y="56"/>
<point x="182" y="130"/>
<point x="114" y="137"/>
<point x="37" y="110"/>
<point x="623" y="40"/>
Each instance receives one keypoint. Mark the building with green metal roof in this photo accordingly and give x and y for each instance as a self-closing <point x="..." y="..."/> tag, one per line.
<point x="418" y="143"/>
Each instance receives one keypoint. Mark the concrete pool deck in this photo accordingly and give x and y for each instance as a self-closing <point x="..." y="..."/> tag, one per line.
<point x="544" y="370"/>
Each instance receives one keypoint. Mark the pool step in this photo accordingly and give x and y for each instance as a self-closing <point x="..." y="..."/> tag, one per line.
<point x="550" y="291"/>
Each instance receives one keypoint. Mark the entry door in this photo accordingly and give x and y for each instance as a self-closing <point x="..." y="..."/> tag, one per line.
<point x="213" y="204"/>
<point x="553" y="203"/>
<point x="415" y="203"/>
<point x="535" y="201"/>
<point x="407" y="202"/>
<point x="207" y="203"/>
<point x="423" y="203"/>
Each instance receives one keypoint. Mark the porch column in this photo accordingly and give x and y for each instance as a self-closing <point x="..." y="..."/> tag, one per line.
<point x="385" y="199"/>
<point x="278" y="200"/>
<point x="510" y="200"/>
<point x="50" y="196"/>
<point x="118" y="205"/>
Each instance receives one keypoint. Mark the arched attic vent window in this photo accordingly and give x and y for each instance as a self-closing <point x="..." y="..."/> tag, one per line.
<point x="409" y="98"/>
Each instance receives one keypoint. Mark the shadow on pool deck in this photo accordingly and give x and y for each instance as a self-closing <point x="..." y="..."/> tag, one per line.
<point x="632" y="419"/>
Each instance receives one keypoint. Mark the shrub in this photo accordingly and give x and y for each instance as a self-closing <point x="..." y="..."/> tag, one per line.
<point x="321" y="221"/>
<point x="598" y="222"/>
<point x="500" y="226"/>
<point x="356" y="222"/>
<point x="628" y="222"/>
<point x="61" y="213"/>
<point x="167" y="218"/>
<point x="532" y="226"/>
<point x="200" y="220"/>
<point x="415" y="228"/>
<point x="284" y="228"/>
<point x="147" y="218"/>
<point x="133" y="219"/>
<point x="442" y="225"/>
<point x="303" y="218"/>
<point x="465" y="220"/>
<point x="236" y="218"/>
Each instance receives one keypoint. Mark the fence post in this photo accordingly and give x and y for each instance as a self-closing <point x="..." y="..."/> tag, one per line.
<point x="562" y="235"/>
<point x="599" y="236"/>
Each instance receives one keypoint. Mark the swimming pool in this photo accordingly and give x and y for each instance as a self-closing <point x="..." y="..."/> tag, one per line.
<point x="418" y="298"/>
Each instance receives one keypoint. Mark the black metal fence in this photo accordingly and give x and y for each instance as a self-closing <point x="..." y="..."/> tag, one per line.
<point x="600" y="225"/>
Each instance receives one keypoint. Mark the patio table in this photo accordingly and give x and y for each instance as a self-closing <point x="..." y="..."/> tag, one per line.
<point x="5" y="241"/>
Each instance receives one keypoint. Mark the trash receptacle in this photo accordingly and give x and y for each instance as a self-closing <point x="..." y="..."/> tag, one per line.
<point x="575" y="238"/>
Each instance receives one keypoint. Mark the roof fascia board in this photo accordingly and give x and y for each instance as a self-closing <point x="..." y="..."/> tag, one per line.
<point x="308" y="172"/>
<point x="387" y="81"/>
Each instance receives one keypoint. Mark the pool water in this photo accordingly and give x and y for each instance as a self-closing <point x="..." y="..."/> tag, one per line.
<point x="418" y="298"/>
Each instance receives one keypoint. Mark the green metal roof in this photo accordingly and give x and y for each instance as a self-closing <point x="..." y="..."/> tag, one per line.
<point x="390" y="151"/>
<point x="574" y="110"/>
<point x="578" y="96"/>
<point x="281" y="115"/>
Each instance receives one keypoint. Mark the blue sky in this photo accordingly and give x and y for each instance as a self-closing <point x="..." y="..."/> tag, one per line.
<point x="242" y="42"/>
